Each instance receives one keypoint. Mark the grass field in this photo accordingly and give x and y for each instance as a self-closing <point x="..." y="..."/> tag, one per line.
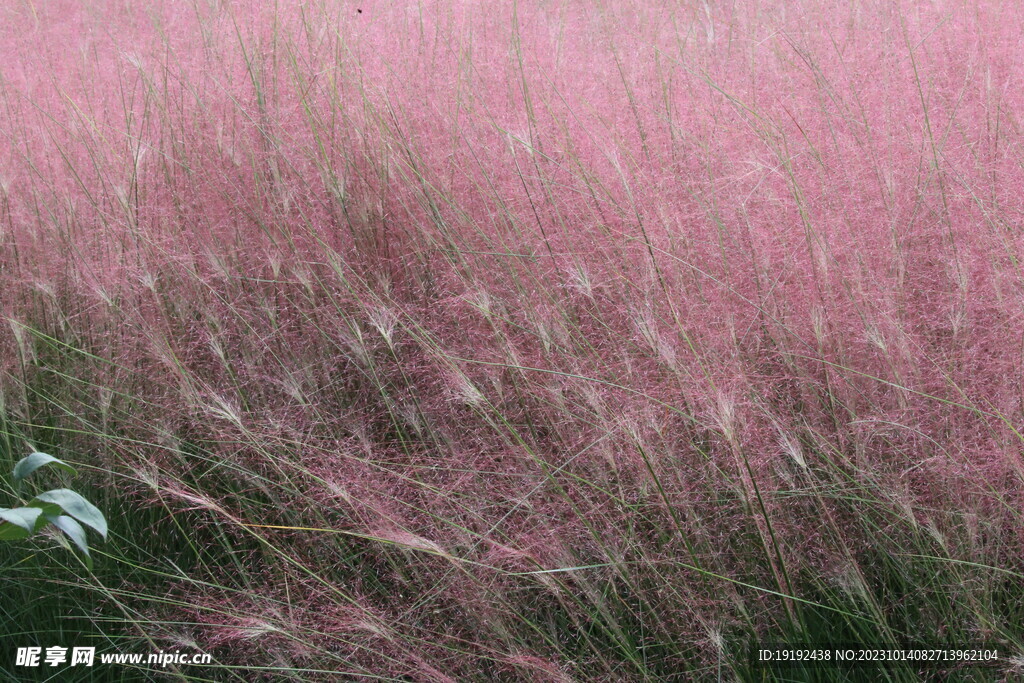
<point x="516" y="341"/>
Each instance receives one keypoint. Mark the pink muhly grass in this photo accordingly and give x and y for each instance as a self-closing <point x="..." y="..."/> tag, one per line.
<point x="549" y="342"/>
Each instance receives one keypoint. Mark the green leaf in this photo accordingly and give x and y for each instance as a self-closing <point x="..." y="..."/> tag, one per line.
<point x="49" y="510"/>
<point x="12" y="532"/>
<point x="30" y="463"/>
<point x="26" y="517"/>
<point x="76" y="506"/>
<point x="75" y="532"/>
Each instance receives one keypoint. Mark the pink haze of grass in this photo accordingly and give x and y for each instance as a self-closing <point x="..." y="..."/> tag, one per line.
<point x="416" y="259"/>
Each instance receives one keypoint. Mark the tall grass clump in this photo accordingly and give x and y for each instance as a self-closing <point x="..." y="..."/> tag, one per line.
<point x="447" y="341"/>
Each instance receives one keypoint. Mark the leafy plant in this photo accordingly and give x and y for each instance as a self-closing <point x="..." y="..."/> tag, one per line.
<point x="63" y="508"/>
